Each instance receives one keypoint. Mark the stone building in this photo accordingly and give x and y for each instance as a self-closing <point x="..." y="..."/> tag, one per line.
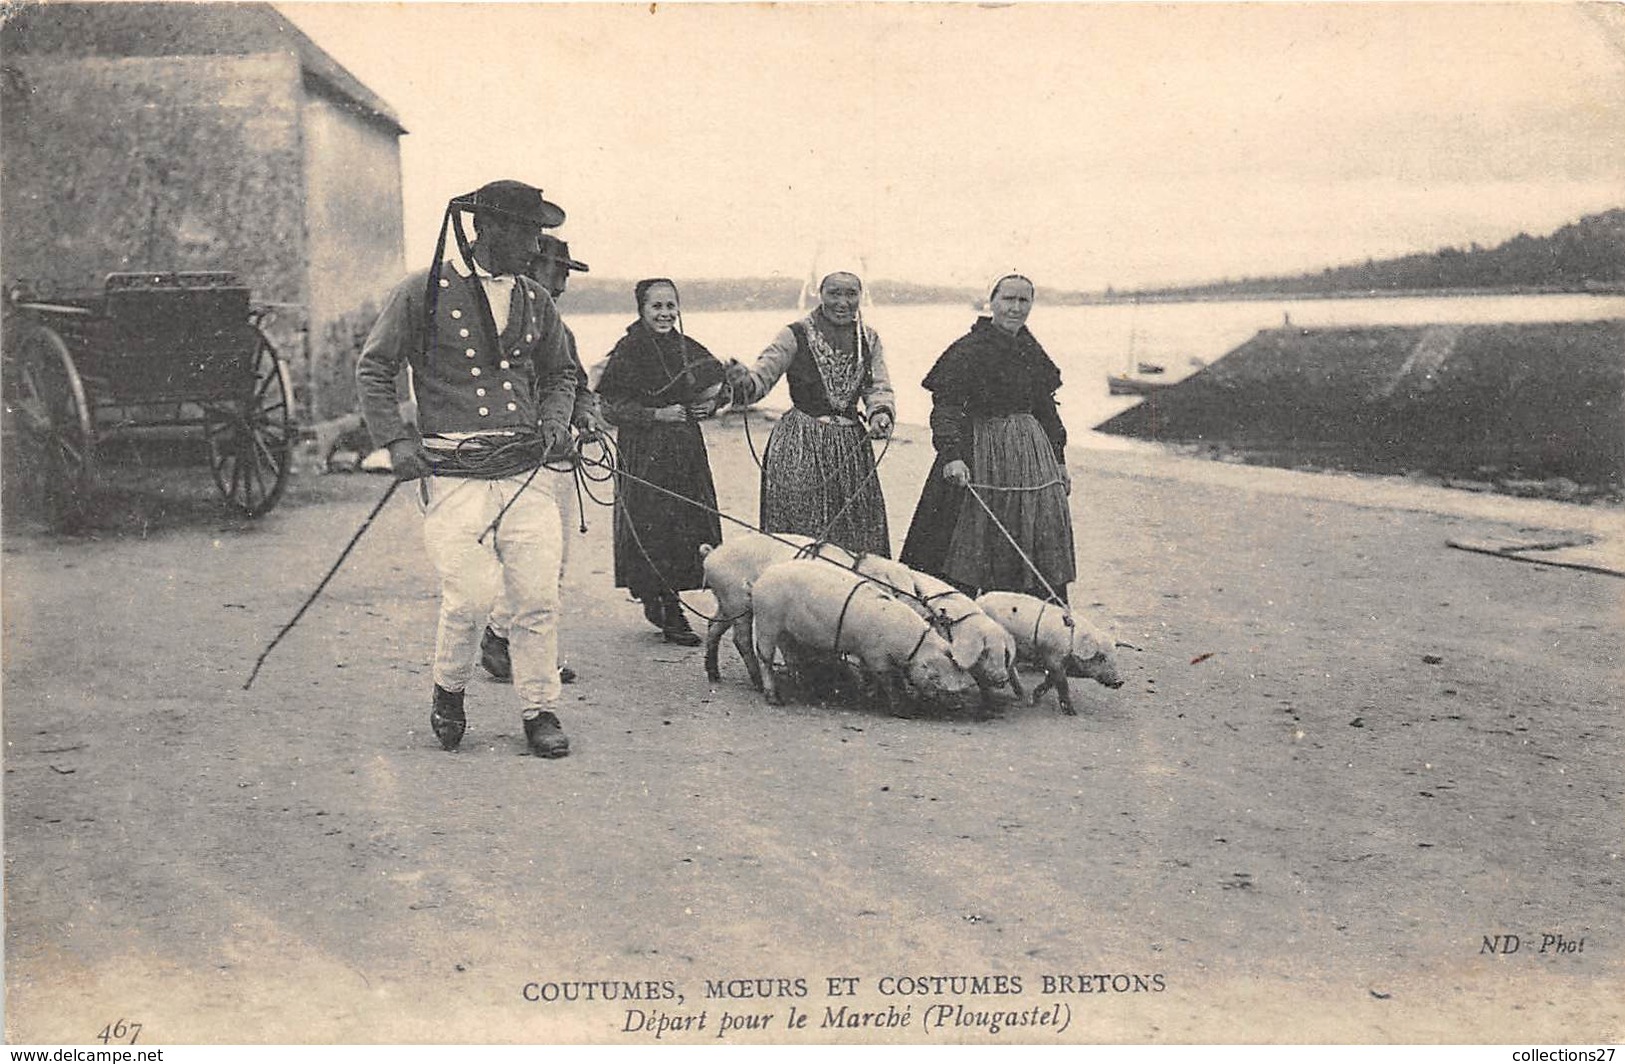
<point x="197" y="136"/>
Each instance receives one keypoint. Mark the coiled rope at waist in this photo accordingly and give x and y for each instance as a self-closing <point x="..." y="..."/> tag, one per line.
<point x="485" y="457"/>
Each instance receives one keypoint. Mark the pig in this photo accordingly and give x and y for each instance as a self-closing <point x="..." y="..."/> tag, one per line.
<point x="823" y="608"/>
<point x="981" y="640"/>
<point x="1044" y="637"/>
<point x="976" y="637"/>
<point x="731" y="569"/>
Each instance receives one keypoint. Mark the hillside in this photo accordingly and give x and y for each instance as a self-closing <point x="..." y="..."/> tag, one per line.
<point x="1585" y="256"/>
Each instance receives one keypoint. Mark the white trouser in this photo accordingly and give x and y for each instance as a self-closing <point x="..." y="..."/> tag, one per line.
<point x="521" y="562"/>
<point x="565" y="495"/>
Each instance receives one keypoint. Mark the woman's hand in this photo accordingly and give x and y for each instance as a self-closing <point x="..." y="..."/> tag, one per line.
<point x="676" y="412"/>
<point x="880" y="424"/>
<point x="957" y="473"/>
<point x="737" y="375"/>
<point x="1066" y="480"/>
<point x="709" y="402"/>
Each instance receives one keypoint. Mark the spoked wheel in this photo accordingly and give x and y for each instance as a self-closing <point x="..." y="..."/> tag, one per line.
<point x="251" y="447"/>
<point x="51" y="418"/>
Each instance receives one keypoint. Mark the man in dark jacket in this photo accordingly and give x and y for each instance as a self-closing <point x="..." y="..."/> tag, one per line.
<point x="490" y="368"/>
<point x="551" y="269"/>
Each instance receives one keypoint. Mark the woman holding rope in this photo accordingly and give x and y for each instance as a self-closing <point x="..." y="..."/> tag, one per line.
<point x="818" y="472"/>
<point x="657" y="385"/>
<point x="1001" y="460"/>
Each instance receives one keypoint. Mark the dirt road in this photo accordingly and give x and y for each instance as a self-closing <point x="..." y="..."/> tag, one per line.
<point x="1355" y="783"/>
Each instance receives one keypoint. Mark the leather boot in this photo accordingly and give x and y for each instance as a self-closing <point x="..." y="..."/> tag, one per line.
<point x="446" y="718"/>
<point x="675" y="628"/>
<point x="544" y="735"/>
<point x="494" y="656"/>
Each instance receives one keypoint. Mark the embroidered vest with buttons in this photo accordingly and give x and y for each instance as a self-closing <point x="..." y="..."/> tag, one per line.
<point x="465" y="385"/>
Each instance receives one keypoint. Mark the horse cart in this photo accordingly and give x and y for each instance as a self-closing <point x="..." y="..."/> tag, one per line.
<point x="166" y="355"/>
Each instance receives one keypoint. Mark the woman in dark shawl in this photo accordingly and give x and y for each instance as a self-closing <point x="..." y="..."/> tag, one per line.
<point x="995" y="427"/>
<point x="656" y="386"/>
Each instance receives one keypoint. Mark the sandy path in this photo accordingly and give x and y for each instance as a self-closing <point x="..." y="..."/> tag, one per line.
<point x="1303" y="837"/>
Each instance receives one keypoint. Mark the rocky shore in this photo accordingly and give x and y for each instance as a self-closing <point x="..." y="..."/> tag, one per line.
<point x="1536" y="410"/>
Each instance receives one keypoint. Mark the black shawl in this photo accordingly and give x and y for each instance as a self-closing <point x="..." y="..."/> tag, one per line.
<point x="989" y="372"/>
<point x="658" y="369"/>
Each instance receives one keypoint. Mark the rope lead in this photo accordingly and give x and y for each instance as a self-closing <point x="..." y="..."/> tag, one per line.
<point x="1058" y="600"/>
<point x="608" y="465"/>
<point x="348" y="547"/>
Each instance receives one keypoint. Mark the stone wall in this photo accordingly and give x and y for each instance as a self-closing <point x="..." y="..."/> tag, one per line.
<point x="354" y="240"/>
<point x="240" y="163"/>
<point x="188" y="163"/>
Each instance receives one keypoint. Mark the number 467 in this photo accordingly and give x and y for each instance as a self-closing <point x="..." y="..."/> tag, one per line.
<point x="118" y="1030"/>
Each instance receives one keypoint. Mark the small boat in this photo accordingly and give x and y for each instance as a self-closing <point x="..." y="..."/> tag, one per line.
<point x="1125" y="384"/>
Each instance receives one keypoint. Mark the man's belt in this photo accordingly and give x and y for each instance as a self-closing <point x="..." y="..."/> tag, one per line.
<point x="484" y="456"/>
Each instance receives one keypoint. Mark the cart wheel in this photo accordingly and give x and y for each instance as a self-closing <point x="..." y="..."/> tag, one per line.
<point x="51" y="417"/>
<point x="251" y="451"/>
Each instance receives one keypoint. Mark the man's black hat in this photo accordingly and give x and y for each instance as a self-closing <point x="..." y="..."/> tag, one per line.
<point x="555" y="250"/>
<point x="513" y="201"/>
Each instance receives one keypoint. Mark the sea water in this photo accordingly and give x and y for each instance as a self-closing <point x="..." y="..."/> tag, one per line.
<point x="1089" y="343"/>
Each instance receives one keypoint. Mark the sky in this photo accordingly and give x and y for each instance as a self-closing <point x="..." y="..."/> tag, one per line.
<point x="1085" y="145"/>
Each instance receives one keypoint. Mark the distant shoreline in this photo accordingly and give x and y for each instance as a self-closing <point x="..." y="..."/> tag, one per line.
<point x="585" y="303"/>
<point x="1296" y="297"/>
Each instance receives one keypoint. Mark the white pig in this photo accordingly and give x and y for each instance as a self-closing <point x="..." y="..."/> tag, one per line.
<point x="826" y="609"/>
<point x="976" y="637"/>
<point x="731" y="570"/>
<point x="1044" y="636"/>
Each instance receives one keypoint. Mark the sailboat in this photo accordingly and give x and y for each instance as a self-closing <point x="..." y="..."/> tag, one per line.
<point x="809" y="289"/>
<point x="1133" y="380"/>
<point x="1128" y="384"/>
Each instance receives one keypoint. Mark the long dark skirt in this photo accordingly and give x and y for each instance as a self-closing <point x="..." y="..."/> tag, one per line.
<point x="1014" y="469"/>
<point x="657" y="537"/>
<point x="818" y="479"/>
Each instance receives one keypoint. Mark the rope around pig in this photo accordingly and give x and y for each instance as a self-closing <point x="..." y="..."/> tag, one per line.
<point x="609" y="467"/>
<point x="1066" y="610"/>
<point x="480" y="458"/>
<point x="840" y="620"/>
<point x="610" y="464"/>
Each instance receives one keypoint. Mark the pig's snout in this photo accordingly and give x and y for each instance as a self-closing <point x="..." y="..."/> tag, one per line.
<point x="1100" y="668"/>
<point x="991" y="673"/>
